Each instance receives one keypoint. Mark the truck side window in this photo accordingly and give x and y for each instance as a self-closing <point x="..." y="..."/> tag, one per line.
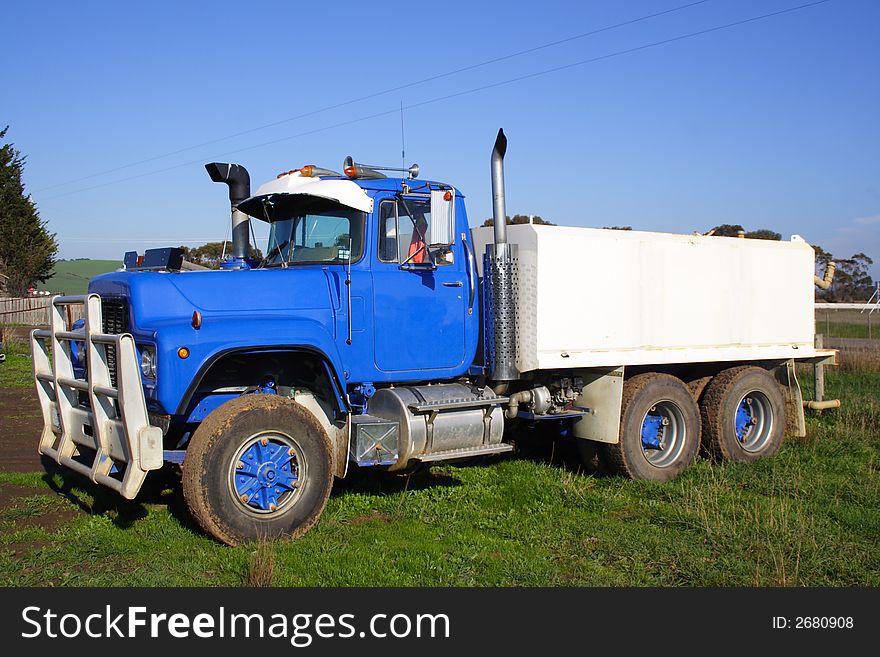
<point x="403" y="231"/>
<point x="388" y="231"/>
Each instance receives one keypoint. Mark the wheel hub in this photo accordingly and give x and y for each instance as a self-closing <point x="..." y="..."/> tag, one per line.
<point x="266" y="474"/>
<point x="663" y="434"/>
<point x="753" y="421"/>
<point x="652" y="431"/>
<point x="744" y="419"/>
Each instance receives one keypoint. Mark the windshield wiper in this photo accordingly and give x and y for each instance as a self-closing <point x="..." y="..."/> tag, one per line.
<point x="275" y="250"/>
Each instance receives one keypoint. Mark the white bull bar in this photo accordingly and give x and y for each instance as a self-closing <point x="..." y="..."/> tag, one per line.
<point x="115" y="424"/>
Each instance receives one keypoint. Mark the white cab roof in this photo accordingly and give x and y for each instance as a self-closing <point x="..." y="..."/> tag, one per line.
<point x="346" y="192"/>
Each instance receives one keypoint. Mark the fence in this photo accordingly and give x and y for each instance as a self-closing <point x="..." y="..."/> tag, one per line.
<point x="848" y="320"/>
<point x="31" y="311"/>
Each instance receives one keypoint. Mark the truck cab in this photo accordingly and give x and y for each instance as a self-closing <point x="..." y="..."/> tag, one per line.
<point x="411" y="275"/>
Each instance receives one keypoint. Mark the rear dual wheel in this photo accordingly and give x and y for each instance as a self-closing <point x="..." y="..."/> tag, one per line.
<point x="743" y="413"/>
<point x="659" y="429"/>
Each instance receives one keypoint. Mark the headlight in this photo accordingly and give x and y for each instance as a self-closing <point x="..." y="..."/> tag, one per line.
<point x="148" y="362"/>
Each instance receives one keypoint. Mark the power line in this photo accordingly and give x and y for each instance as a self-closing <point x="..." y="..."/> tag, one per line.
<point x="376" y="94"/>
<point x="458" y="94"/>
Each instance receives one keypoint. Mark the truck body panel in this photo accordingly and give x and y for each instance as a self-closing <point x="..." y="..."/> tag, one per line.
<point x="605" y="298"/>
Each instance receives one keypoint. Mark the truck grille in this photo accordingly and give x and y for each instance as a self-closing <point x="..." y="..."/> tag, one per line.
<point x="114" y="314"/>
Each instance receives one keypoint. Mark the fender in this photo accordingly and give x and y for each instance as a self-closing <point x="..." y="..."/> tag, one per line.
<point x="338" y="390"/>
<point x="177" y="379"/>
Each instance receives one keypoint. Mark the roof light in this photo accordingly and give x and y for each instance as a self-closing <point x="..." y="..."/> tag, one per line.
<point x="351" y="171"/>
<point x="308" y="171"/>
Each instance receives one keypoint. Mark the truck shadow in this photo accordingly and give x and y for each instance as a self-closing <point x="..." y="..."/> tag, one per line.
<point x="545" y="443"/>
<point x="369" y="480"/>
<point x="161" y="488"/>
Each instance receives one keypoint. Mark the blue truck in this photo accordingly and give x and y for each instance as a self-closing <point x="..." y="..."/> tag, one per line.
<point x="379" y="330"/>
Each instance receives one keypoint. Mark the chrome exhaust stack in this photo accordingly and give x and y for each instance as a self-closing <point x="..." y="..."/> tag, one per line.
<point x="500" y="270"/>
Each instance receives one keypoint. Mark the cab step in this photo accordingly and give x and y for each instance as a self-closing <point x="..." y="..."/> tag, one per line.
<point x="465" y="453"/>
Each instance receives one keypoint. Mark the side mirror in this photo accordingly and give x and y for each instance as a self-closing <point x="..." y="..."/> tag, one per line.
<point x="442" y="230"/>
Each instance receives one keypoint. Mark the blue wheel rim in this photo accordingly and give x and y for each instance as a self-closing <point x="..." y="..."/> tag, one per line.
<point x="266" y="473"/>
<point x="663" y="434"/>
<point x="753" y="421"/>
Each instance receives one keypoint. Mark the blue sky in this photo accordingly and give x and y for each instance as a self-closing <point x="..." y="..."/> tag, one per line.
<point x="775" y="123"/>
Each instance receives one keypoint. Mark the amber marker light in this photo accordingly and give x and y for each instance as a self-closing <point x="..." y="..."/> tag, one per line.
<point x="307" y="171"/>
<point x="447" y="196"/>
<point x="351" y="172"/>
<point x="183" y="352"/>
<point x="196" y="320"/>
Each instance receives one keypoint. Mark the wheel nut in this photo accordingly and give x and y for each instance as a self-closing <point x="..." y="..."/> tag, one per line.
<point x="272" y="507"/>
<point x="291" y="452"/>
<point x="264" y="441"/>
<point x="239" y="465"/>
<point x="244" y="498"/>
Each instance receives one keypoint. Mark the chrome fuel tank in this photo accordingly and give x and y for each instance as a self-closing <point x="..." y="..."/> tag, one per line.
<point x="439" y="420"/>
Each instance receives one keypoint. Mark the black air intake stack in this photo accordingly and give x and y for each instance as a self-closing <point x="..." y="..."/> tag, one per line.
<point x="239" y="182"/>
<point x="499" y="269"/>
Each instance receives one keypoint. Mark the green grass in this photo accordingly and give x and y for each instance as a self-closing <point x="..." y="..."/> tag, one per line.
<point x="17" y="370"/>
<point x="848" y="324"/>
<point x="849" y="330"/>
<point x="72" y="276"/>
<point x="808" y="516"/>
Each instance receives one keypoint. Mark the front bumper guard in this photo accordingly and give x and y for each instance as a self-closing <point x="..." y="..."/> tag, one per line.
<point x="113" y="426"/>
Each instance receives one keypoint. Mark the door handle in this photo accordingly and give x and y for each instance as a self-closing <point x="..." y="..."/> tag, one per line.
<point x="452" y="284"/>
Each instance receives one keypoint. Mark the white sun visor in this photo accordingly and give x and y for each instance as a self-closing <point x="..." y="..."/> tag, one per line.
<point x="293" y="184"/>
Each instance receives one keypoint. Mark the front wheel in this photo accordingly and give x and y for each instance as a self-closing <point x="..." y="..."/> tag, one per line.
<point x="259" y="467"/>
<point x="659" y="429"/>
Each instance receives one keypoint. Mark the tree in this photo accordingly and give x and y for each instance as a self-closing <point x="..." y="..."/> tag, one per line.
<point x="735" y="230"/>
<point x="851" y="282"/>
<point x="764" y="234"/>
<point x="520" y="219"/>
<point x="727" y="230"/>
<point x="27" y="248"/>
<point x="211" y="254"/>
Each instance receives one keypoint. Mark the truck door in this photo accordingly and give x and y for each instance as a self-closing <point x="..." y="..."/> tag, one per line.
<point x="418" y="313"/>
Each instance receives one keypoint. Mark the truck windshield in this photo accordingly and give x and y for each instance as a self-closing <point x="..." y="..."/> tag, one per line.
<point x="330" y="236"/>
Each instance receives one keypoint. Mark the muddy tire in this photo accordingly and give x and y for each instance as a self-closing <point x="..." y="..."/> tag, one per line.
<point x="743" y="413"/>
<point x="659" y="429"/>
<point x="259" y="467"/>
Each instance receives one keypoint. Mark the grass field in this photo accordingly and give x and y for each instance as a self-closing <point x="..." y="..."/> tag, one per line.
<point x="809" y="516"/>
<point x="848" y="324"/>
<point x="17" y="370"/>
<point x="72" y="276"/>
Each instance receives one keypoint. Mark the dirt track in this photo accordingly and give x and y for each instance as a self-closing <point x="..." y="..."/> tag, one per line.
<point x="20" y="427"/>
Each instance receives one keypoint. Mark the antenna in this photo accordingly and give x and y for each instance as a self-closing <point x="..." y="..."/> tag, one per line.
<point x="402" y="140"/>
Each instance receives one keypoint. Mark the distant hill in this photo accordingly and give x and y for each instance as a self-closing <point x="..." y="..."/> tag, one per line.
<point x="72" y="276"/>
